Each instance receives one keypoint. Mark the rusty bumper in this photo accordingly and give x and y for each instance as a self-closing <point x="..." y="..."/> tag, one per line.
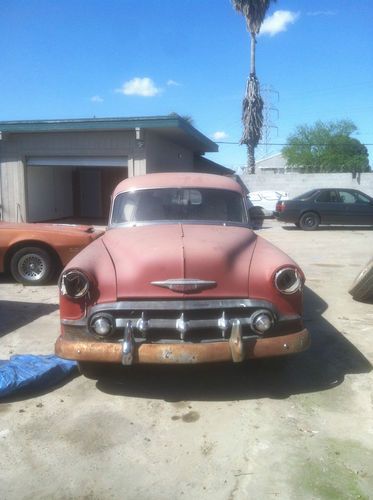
<point x="183" y="353"/>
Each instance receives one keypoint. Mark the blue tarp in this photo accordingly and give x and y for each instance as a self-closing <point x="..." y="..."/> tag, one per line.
<point x="30" y="372"/>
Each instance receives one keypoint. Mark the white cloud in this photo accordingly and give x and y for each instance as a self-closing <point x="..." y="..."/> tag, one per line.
<point x="322" y="13"/>
<point x="173" y="83"/>
<point x="97" y="98"/>
<point x="219" y="135"/>
<point x="278" y="22"/>
<point x="144" y="87"/>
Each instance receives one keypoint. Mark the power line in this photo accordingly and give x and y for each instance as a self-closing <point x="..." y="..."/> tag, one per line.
<point x="298" y="144"/>
<point x="270" y="112"/>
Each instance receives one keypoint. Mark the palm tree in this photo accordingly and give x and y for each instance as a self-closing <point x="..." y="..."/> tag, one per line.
<point x="254" y="12"/>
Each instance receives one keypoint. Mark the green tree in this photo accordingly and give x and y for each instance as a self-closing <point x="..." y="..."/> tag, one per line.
<point x="326" y="147"/>
<point x="254" y="12"/>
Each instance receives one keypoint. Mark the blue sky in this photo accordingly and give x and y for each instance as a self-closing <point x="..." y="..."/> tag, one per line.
<point x="106" y="58"/>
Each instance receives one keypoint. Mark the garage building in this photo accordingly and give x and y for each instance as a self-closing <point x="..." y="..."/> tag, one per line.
<point x="67" y="169"/>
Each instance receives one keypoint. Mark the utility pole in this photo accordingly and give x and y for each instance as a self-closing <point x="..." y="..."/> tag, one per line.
<point x="270" y="97"/>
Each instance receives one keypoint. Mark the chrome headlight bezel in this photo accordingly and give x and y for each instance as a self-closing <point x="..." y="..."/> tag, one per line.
<point x="101" y="316"/>
<point x="288" y="280"/>
<point x="260" y="313"/>
<point x="74" y="283"/>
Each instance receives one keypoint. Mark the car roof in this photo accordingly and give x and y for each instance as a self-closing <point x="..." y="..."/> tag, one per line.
<point x="178" y="179"/>
<point x="314" y="191"/>
<point x="335" y="189"/>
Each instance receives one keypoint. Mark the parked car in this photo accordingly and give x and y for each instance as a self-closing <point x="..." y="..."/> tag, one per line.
<point x="265" y="201"/>
<point x="327" y="206"/>
<point x="179" y="277"/>
<point x="33" y="253"/>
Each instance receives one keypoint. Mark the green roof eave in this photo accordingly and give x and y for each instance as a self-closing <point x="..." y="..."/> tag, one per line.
<point x="108" y="124"/>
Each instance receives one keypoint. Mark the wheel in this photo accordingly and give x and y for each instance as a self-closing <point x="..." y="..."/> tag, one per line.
<point x="309" y="221"/>
<point x="362" y="287"/>
<point x="256" y="216"/>
<point x="31" y="266"/>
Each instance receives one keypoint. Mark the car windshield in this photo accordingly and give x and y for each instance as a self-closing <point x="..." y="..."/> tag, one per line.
<point x="179" y="204"/>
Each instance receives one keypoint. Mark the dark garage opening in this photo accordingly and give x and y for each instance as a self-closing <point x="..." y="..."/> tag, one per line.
<point x="92" y="189"/>
<point x="73" y="190"/>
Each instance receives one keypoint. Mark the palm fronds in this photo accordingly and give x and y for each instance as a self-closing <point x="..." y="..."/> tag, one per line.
<point x="254" y="12"/>
<point x="252" y="119"/>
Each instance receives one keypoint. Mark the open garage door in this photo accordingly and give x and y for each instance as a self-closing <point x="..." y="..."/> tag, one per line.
<point x="72" y="187"/>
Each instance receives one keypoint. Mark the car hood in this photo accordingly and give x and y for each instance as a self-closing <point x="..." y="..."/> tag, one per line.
<point x="145" y="254"/>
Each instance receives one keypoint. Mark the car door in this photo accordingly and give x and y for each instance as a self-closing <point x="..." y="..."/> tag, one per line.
<point x="326" y="203"/>
<point x="357" y="208"/>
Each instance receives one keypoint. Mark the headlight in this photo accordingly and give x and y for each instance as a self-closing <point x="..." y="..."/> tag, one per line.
<point x="288" y="280"/>
<point x="261" y="321"/>
<point x="102" y="324"/>
<point x="74" y="284"/>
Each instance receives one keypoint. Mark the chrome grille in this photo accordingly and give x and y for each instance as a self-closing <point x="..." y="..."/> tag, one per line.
<point x="183" y="320"/>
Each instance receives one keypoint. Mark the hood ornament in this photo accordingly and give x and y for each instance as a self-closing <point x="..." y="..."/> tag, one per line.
<point x="185" y="285"/>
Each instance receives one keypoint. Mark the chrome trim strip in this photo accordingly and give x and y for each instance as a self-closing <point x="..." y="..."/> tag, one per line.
<point x="156" y="323"/>
<point x="179" y="323"/>
<point x="235" y="342"/>
<point x="128" y="345"/>
<point x="182" y="305"/>
<point x="190" y="283"/>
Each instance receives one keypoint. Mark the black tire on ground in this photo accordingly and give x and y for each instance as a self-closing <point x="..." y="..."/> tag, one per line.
<point x="93" y="370"/>
<point x="362" y="287"/>
<point x="32" y="266"/>
<point x="256" y="216"/>
<point x="272" y="364"/>
<point x="309" y="221"/>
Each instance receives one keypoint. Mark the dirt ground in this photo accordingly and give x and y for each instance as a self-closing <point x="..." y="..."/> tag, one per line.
<point x="301" y="429"/>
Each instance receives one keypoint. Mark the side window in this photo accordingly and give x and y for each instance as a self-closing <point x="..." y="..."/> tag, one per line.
<point x="327" y="197"/>
<point x="360" y="198"/>
<point x="347" y="197"/>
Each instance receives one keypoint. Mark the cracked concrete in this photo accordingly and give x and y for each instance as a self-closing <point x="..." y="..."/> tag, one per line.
<point x="299" y="429"/>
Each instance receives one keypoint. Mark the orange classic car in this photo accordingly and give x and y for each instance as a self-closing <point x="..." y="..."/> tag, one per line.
<point x="179" y="277"/>
<point x="33" y="253"/>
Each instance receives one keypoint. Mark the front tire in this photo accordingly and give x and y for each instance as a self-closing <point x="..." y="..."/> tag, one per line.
<point x="256" y="216"/>
<point x="31" y="266"/>
<point x="93" y="370"/>
<point x="309" y="221"/>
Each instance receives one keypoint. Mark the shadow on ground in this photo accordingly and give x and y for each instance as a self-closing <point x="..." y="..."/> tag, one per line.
<point x="331" y="228"/>
<point x="325" y="364"/>
<point x="16" y="314"/>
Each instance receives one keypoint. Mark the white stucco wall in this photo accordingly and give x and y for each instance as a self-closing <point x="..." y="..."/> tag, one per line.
<point x="296" y="183"/>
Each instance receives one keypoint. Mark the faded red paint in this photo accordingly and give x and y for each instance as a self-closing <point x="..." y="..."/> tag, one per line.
<point x="177" y="180"/>
<point x="65" y="240"/>
<point x="268" y="259"/>
<point x="159" y="252"/>
<point x="123" y="264"/>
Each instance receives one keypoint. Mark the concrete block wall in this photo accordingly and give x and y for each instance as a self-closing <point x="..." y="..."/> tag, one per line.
<point x="296" y="183"/>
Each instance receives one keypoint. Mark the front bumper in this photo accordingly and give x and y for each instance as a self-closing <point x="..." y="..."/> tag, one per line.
<point x="233" y="349"/>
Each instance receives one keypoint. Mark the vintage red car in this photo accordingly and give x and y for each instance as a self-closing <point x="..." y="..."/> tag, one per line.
<point x="180" y="277"/>
<point x="34" y="253"/>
